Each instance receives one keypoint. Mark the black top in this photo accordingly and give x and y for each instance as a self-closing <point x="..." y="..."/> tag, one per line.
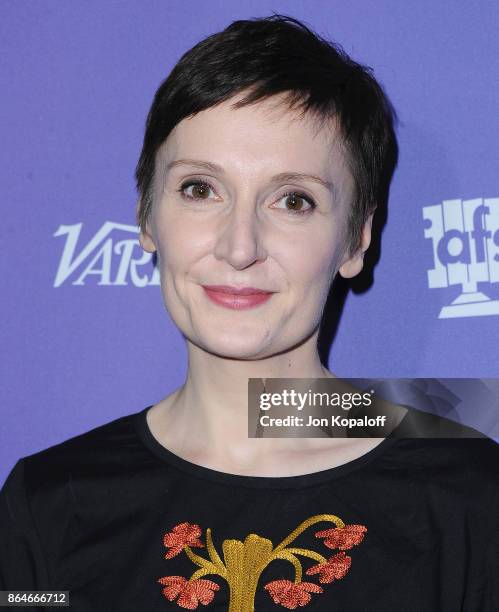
<point x="124" y="524"/>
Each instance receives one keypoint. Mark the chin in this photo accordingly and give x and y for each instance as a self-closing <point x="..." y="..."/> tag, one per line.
<point x="236" y="346"/>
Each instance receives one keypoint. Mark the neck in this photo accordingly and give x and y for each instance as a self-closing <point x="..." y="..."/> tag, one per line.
<point x="209" y="413"/>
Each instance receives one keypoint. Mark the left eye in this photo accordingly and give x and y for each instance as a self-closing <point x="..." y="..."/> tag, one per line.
<point x="299" y="202"/>
<point x="200" y="190"/>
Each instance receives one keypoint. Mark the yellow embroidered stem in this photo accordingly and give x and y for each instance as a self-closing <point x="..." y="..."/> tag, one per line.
<point x="214" y="556"/>
<point x="306" y="524"/>
<point x="245" y="562"/>
<point x="307" y="553"/>
<point x="199" y="574"/>
<point x="288" y="556"/>
<point x="210" y="567"/>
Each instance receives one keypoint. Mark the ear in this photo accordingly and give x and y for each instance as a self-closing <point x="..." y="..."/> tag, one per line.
<point x="145" y="236"/>
<point x="353" y="264"/>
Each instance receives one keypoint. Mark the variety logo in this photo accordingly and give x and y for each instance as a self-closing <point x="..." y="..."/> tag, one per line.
<point x="108" y="257"/>
<point x="465" y="238"/>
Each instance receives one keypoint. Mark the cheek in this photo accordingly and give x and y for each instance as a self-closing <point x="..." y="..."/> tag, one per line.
<point x="311" y="262"/>
<point x="179" y="244"/>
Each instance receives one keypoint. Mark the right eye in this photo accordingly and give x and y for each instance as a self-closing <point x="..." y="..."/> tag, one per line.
<point x="195" y="190"/>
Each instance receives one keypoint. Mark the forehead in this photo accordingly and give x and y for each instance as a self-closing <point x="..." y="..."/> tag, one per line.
<point x="263" y="137"/>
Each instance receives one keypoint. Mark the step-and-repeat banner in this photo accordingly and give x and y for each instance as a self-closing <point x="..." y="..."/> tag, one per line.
<point x="85" y="336"/>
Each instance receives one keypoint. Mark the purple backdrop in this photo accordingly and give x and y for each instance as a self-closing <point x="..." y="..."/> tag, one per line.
<point x="77" y="80"/>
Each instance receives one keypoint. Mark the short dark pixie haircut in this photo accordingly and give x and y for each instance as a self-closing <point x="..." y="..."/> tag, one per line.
<point x="280" y="55"/>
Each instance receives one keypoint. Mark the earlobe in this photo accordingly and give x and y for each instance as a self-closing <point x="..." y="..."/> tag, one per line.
<point x="146" y="241"/>
<point x="145" y="236"/>
<point x="353" y="264"/>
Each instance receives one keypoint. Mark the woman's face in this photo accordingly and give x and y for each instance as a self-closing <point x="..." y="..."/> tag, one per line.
<point x="223" y="215"/>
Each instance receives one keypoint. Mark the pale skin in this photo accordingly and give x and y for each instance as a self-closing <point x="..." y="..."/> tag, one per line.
<point x="241" y="231"/>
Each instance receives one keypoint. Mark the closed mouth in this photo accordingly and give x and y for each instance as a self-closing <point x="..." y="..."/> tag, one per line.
<point x="236" y="290"/>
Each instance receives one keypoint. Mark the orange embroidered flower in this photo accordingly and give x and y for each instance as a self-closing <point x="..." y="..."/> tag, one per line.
<point x="342" y="537"/>
<point x="291" y="594"/>
<point x="334" y="569"/>
<point x="184" y="534"/>
<point x="190" y="593"/>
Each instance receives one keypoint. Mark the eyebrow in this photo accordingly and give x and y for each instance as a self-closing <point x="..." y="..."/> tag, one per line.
<point x="277" y="178"/>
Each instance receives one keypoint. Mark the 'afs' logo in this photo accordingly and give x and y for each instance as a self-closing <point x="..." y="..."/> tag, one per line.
<point x="96" y="257"/>
<point x="465" y="237"/>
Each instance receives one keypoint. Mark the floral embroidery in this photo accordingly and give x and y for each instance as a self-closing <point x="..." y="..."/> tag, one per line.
<point x="182" y="535"/>
<point x="291" y="595"/>
<point x="345" y="538"/>
<point x="244" y="562"/>
<point x="191" y="592"/>
<point x="334" y="569"/>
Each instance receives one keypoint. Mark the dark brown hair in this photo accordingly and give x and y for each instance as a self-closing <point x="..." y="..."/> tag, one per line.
<point x="268" y="56"/>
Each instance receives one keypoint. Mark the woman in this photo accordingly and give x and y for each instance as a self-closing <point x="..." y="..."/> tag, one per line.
<point x="266" y="153"/>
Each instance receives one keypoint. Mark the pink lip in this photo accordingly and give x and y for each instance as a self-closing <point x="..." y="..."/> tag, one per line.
<point x="236" y="298"/>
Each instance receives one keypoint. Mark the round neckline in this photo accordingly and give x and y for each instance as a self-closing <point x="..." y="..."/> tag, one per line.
<point x="265" y="482"/>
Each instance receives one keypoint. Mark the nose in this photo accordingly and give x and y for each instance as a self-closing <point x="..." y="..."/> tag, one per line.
<point x="240" y="239"/>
